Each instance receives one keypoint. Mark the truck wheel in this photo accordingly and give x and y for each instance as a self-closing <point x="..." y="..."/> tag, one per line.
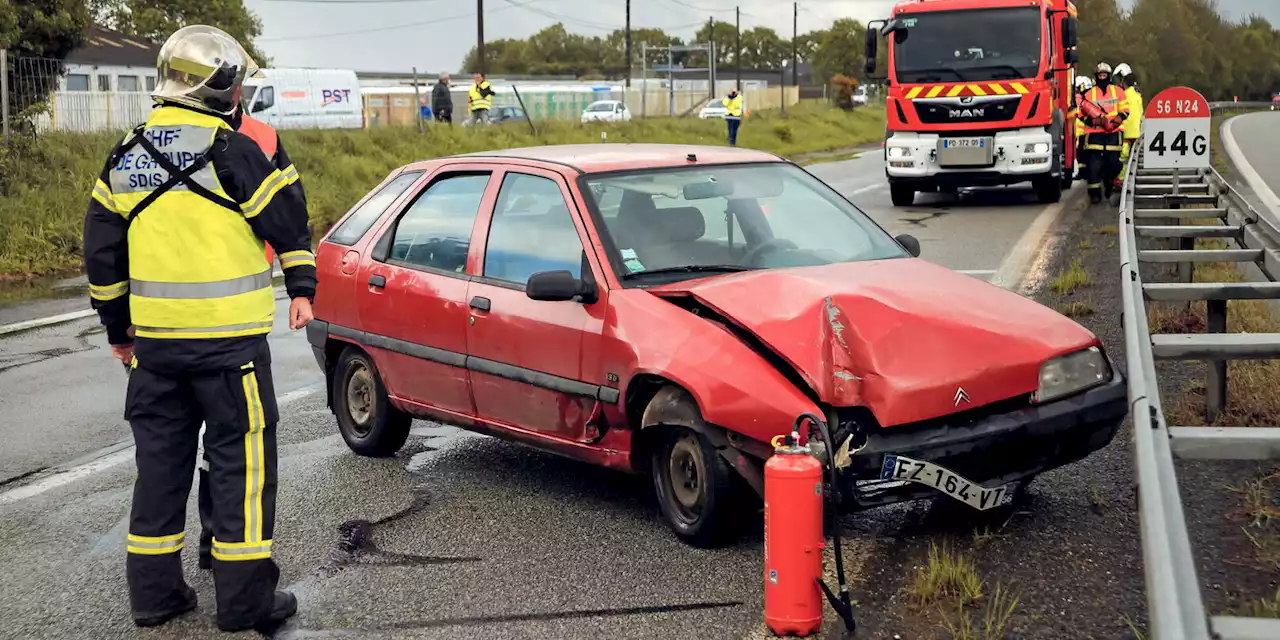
<point x="697" y="491"/>
<point x="1048" y="189"/>
<point x="367" y="421"/>
<point x="902" y="196"/>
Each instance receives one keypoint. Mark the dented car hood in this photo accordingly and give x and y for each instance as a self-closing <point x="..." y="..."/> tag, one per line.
<point x="906" y="338"/>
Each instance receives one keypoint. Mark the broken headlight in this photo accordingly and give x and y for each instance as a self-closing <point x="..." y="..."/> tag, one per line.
<point x="1072" y="373"/>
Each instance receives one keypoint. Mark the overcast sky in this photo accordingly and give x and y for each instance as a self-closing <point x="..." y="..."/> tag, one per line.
<point x="434" y="35"/>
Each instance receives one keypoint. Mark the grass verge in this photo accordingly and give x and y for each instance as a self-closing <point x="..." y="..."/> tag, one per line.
<point x="45" y="184"/>
<point x="1074" y="277"/>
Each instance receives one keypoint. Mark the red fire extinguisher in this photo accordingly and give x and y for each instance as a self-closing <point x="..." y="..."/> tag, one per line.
<point x="793" y="539"/>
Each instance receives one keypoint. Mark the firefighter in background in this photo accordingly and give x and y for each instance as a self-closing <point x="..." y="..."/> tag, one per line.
<point x="480" y="99"/>
<point x="1083" y="85"/>
<point x="173" y="247"/>
<point x="269" y="141"/>
<point x="1132" y="129"/>
<point x="1102" y="143"/>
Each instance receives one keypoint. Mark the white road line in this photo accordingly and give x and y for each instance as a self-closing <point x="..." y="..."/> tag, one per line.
<point x="44" y="322"/>
<point x="1013" y="269"/>
<point x="57" y="477"/>
<point x="1270" y="201"/>
<point x="870" y="187"/>
<point x="978" y="272"/>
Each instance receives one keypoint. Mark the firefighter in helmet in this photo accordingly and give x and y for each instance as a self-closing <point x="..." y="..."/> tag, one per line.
<point x="1102" y="143"/>
<point x="1132" y="129"/>
<point x="1083" y="84"/>
<point x="173" y="247"/>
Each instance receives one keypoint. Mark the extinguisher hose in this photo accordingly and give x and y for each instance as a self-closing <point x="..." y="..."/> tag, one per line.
<point x="842" y="605"/>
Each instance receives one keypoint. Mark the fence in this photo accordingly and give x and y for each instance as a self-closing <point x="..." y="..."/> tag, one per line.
<point x="38" y="99"/>
<point x="1153" y="203"/>
<point x="395" y="105"/>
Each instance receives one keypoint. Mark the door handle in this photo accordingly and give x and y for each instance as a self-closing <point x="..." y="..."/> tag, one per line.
<point x="377" y="281"/>
<point x="480" y="304"/>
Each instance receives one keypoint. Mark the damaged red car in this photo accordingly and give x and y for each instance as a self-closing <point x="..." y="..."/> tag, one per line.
<point x="670" y="309"/>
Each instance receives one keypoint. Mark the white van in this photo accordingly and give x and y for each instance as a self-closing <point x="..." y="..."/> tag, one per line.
<point x="305" y="99"/>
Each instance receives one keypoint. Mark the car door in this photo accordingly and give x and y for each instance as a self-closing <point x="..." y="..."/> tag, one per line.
<point x="413" y="296"/>
<point x="534" y="364"/>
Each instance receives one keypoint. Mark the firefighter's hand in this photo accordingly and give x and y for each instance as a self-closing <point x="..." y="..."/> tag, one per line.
<point x="123" y="352"/>
<point x="300" y="313"/>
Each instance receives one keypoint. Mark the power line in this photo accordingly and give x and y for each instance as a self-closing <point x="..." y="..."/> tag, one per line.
<point x="350" y="1"/>
<point x="407" y="25"/>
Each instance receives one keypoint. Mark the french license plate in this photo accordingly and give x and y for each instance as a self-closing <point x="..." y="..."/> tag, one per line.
<point x="964" y="143"/>
<point x="944" y="480"/>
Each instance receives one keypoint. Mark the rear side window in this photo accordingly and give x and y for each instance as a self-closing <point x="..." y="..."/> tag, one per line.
<point x="356" y="224"/>
<point x="435" y="233"/>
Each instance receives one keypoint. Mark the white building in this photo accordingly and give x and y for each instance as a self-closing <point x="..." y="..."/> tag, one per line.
<point x="111" y="61"/>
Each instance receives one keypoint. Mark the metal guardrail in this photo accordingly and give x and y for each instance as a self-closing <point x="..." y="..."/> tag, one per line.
<point x="1219" y="108"/>
<point x="1149" y="198"/>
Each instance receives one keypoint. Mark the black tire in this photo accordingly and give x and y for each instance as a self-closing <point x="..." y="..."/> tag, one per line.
<point x="902" y="196"/>
<point x="368" y="422"/>
<point x="1048" y="189"/>
<point x="701" y="510"/>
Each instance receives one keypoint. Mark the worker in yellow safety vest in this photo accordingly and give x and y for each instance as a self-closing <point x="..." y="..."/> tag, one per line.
<point x="1102" y="143"/>
<point x="733" y="115"/>
<point x="480" y="99"/>
<point x="174" y="241"/>
<point x="1132" y="129"/>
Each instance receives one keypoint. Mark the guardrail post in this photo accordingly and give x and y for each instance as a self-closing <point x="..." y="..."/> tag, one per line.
<point x="1215" y="393"/>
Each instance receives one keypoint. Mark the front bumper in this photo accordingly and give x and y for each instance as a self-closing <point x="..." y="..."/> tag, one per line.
<point x="994" y="450"/>
<point x="1013" y="161"/>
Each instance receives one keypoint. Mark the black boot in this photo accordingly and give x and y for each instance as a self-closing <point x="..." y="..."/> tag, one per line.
<point x="283" y="606"/>
<point x="155" y="619"/>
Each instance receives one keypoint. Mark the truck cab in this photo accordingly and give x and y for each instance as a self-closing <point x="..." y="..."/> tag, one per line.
<point x="979" y="95"/>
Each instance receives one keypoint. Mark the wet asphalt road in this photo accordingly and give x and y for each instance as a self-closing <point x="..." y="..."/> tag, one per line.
<point x="457" y="536"/>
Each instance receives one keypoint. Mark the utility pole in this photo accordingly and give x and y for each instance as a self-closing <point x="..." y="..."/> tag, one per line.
<point x="628" y="45"/>
<point x="417" y="100"/>
<point x="4" y="95"/>
<point x="481" y="62"/>
<point x="737" y="46"/>
<point x="795" y="33"/>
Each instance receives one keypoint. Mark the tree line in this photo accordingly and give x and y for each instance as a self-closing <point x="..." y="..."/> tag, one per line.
<point x="1167" y="42"/>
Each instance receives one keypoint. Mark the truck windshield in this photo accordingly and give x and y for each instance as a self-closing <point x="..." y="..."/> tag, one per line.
<point x="969" y="46"/>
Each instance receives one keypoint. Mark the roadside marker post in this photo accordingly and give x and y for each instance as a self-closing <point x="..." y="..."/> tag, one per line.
<point x="1176" y="130"/>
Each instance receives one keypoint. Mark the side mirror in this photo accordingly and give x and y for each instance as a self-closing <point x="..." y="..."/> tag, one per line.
<point x="1072" y="56"/>
<point x="1069" y="26"/>
<point x="558" y="286"/>
<point x="909" y="243"/>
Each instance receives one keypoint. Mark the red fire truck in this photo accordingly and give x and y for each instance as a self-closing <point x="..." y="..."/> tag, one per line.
<point x="979" y="95"/>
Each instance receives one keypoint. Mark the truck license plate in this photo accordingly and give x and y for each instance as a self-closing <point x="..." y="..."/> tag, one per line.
<point x="966" y="152"/>
<point x="964" y="143"/>
<point x="946" y="481"/>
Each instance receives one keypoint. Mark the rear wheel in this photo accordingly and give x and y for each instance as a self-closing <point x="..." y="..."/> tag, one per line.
<point x="1048" y="189"/>
<point x="368" y="422"/>
<point x="697" y="491"/>
<point x="902" y="196"/>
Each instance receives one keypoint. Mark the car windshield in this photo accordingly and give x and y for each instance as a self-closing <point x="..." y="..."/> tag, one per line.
<point x="968" y="46"/>
<point x="693" y="221"/>
<point x="601" y="106"/>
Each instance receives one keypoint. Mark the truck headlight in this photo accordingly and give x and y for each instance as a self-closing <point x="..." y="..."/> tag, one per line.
<point x="899" y="152"/>
<point x="1074" y="372"/>
<point x="1036" y="147"/>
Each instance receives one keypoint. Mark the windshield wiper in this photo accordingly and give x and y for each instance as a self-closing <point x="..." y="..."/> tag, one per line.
<point x="1017" y="73"/>
<point x="693" y="268"/>
<point x="925" y="74"/>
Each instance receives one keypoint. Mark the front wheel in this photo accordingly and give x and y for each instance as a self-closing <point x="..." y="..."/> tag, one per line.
<point x="901" y="195"/>
<point x="697" y="491"/>
<point x="368" y="422"/>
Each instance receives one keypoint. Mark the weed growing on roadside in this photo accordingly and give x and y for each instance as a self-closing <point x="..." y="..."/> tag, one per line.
<point x="1073" y="278"/>
<point x="992" y="622"/>
<point x="1107" y="230"/>
<point x="1137" y="633"/>
<point x="1076" y="309"/>
<point x="1261" y="608"/>
<point x="1084" y="245"/>
<point x="947" y="574"/>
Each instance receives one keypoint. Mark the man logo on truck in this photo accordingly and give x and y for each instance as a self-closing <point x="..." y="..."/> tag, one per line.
<point x="334" y="96"/>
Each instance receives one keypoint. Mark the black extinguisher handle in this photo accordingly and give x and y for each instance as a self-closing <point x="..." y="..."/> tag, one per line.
<point x="842" y="604"/>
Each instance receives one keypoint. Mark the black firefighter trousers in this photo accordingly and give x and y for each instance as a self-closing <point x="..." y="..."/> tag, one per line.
<point x="1102" y="163"/>
<point x="239" y="411"/>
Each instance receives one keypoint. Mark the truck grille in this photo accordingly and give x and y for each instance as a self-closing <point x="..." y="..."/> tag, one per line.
<point x="966" y="109"/>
